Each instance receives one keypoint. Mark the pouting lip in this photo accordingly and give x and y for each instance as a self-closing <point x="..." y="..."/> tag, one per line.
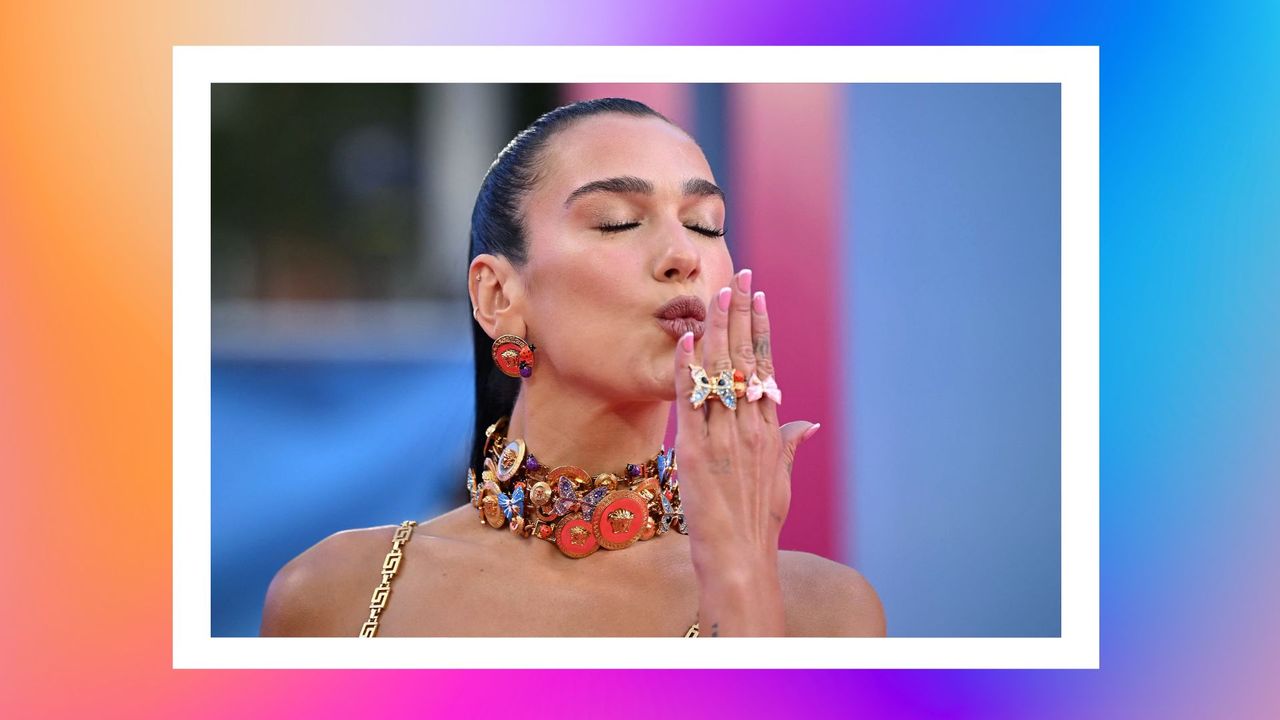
<point x="677" y="327"/>
<point x="683" y="306"/>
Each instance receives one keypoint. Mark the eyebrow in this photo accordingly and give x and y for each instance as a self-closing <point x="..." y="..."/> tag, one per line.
<point x="693" y="187"/>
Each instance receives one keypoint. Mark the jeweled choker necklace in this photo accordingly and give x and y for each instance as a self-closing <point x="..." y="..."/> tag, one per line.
<point x="570" y="508"/>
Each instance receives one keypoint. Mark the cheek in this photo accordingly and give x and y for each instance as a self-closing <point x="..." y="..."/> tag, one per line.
<point x="592" y="284"/>
<point x="719" y="269"/>
<point x="582" y="311"/>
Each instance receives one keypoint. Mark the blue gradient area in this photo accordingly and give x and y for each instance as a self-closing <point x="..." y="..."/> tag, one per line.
<point x="1191" y="360"/>
<point x="952" y="239"/>
<point x="304" y="449"/>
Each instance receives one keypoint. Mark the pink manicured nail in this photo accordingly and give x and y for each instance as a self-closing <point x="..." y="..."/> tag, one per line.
<point x="757" y="302"/>
<point x="744" y="280"/>
<point x="686" y="342"/>
<point x="723" y="299"/>
<point x="809" y="433"/>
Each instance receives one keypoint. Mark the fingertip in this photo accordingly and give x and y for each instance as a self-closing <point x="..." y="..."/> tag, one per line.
<point x="686" y="342"/>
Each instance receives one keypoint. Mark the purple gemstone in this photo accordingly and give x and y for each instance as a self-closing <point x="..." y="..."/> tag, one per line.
<point x="525" y="371"/>
<point x="531" y="463"/>
<point x="633" y="470"/>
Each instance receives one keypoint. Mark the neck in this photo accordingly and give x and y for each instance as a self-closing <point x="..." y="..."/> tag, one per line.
<point x="564" y="426"/>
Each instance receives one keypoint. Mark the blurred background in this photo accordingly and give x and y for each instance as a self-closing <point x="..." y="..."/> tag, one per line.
<point x="907" y="237"/>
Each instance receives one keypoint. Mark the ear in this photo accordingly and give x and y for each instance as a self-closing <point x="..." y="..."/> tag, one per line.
<point x="496" y="291"/>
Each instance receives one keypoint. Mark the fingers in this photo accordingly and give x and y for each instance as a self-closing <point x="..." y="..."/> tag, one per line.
<point x="689" y="419"/>
<point x="762" y="351"/>
<point x="793" y="434"/>
<point x="740" y="345"/>
<point x="715" y="357"/>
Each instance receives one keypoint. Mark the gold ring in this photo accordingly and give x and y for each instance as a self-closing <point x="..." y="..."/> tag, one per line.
<point x="721" y="387"/>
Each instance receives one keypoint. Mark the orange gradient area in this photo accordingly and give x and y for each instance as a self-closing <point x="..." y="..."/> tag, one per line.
<point x="85" y="399"/>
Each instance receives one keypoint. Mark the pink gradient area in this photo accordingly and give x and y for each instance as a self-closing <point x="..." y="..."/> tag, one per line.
<point x="785" y="143"/>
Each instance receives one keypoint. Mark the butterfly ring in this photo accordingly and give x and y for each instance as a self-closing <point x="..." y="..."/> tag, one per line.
<point x="704" y="386"/>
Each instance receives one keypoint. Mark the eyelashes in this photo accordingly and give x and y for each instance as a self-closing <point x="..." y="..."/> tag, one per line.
<point x="620" y="227"/>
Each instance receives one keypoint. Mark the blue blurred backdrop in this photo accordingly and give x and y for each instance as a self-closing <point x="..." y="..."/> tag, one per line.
<point x="953" y="261"/>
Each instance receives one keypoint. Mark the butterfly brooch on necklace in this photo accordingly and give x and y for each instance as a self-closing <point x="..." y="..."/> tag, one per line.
<point x="512" y="505"/>
<point x="665" y="463"/>
<point x="568" y="499"/>
<point x="669" y="514"/>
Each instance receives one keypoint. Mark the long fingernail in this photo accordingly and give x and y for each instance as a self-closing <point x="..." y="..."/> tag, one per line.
<point x="723" y="299"/>
<point x="744" y="280"/>
<point x="757" y="301"/>
<point x="809" y="433"/>
<point x="686" y="342"/>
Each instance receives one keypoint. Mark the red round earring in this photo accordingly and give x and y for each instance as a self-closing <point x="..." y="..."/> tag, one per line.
<point x="513" y="356"/>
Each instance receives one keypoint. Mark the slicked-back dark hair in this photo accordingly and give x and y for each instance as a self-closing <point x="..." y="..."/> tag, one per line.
<point x="497" y="228"/>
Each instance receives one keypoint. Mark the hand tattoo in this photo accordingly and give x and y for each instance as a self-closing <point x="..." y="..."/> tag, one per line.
<point x="762" y="347"/>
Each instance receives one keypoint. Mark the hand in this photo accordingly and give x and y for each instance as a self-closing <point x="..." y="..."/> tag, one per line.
<point x="735" y="470"/>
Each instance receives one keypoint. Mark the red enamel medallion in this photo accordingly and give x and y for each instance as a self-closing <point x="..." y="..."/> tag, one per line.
<point x="618" y="519"/>
<point x="574" y="536"/>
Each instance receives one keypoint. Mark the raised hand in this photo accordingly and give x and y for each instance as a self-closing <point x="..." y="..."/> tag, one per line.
<point x="735" y="467"/>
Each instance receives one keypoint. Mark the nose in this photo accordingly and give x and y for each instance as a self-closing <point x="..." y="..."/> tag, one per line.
<point x="680" y="260"/>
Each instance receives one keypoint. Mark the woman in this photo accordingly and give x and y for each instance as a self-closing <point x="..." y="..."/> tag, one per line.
<point x="602" y="291"/>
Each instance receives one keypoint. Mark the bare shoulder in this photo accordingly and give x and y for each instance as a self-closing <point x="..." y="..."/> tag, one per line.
<point x="828" y="599"/>
<point x="325" y="589"/>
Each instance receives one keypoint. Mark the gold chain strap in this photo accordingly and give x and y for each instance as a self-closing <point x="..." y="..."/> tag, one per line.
<point x="390" y="565"/>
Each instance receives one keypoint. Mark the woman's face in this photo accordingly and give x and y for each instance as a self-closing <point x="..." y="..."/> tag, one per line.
<point x="590" y="296"/>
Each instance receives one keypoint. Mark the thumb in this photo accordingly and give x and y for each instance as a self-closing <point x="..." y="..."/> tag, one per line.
<point x="794" y="433"/>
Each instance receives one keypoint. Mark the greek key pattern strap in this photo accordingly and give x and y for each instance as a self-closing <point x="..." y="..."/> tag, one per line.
<point x="390" y="564"/>
<point x="693" y="631"/>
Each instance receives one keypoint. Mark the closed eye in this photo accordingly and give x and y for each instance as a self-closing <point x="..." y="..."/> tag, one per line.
<point x="620" y="227"/>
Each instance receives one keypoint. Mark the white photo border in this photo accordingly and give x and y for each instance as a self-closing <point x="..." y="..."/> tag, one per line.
<point x="195" y="68"/>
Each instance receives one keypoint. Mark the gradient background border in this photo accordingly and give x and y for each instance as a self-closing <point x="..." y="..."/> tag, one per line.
<point x="1190" y="349"/>
<point x="765" y="77"/>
